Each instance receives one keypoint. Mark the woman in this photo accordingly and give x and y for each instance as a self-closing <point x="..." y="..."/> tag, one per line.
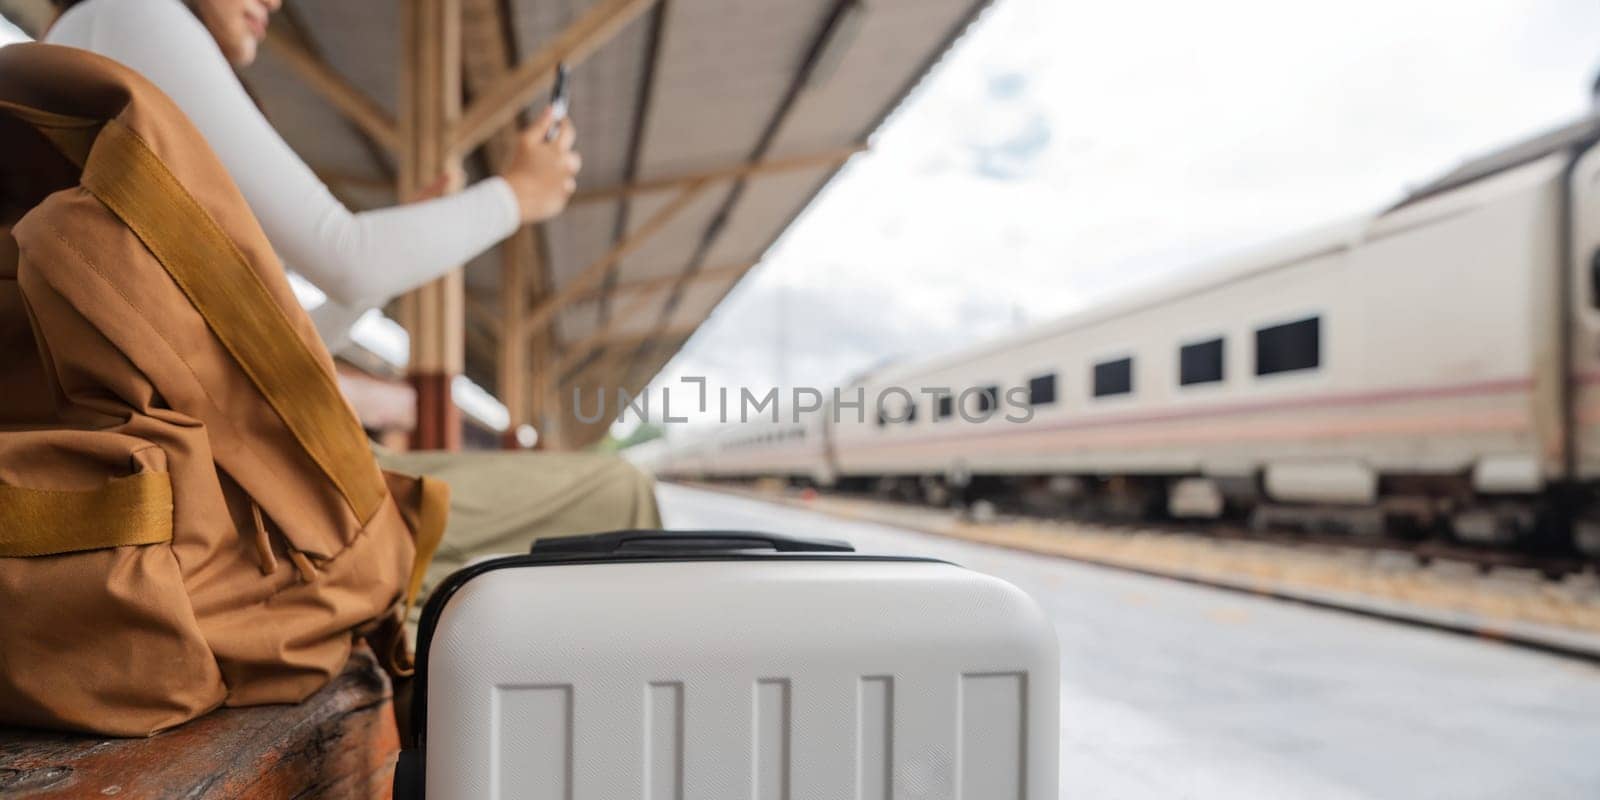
<point x="359" y="260"/>
<point x="499" y="500"/>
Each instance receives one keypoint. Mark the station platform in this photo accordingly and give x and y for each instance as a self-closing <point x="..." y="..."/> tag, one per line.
<point x="1174" y="689"/>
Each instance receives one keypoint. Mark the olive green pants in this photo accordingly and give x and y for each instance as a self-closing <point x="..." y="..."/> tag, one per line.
<point x="502" y="501"/>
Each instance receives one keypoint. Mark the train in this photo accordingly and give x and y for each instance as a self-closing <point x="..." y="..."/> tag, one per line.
<point x="1432" y="368"/>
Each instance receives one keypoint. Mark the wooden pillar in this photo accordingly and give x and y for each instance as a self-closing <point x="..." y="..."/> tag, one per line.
<point x="430" y="106"/>
<point x="540" y="360"/>
<point x="513" y="355"/>
<point x="541" y="404"/>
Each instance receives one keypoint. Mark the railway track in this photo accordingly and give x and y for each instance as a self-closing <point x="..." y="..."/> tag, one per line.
<point x="1426" y="551"/>
<point x="1580" y="643"/>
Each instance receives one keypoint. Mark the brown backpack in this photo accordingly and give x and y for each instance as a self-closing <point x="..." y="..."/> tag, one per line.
<point x="190" y="514"/>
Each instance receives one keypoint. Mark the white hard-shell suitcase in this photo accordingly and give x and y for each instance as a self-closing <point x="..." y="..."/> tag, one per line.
<point x="654" y="665"/>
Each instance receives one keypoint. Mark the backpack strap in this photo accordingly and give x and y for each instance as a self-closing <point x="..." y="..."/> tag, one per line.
<point x="132" y="510"/>
<point x="433" y="513"/>
<point x="127" y="176"/>
<point x="424" y="504"/>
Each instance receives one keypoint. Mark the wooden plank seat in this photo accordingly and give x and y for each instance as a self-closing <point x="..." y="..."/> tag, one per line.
<point x="341" y="742"/>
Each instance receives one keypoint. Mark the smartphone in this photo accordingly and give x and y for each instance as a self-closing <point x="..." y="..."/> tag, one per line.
<point x="558" y="102"/>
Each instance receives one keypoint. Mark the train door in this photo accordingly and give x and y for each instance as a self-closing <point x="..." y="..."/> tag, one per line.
<point x="1583" y="188"/>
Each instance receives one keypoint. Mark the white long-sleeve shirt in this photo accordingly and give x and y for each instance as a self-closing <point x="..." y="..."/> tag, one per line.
<point x="359" y="260"/>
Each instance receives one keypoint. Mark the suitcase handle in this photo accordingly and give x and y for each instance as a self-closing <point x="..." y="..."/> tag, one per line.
<point x="663" y="541"/>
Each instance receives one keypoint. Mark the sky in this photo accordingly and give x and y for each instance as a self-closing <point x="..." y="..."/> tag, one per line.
<point x="1067" y="151"/>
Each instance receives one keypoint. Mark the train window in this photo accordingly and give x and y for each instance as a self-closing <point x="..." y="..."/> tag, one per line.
<point x="1042" y="390"/>
<point x="1200" y="362"/>
<point x="988" y="399"/>
<point x="1289" y="347"/>
<point x="947" y="406"/>
<point x="1113" y="377"/>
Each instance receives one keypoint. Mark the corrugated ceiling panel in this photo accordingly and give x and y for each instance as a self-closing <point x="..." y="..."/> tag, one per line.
<point x="764" y="210"/>
<point x="895" y="41"/>
<point x="578" y="321"/>
<point x="704" y="115"/>
<point x="317" y="132"/>
<point x="360" y="39"/>
<point x="538" y="21"/>
<point x="483" y="276"/>
<point x="669" y="250"/>
<point x="696" y="302"/>
<point x="579" y="236"/>
<point x="607" y="91"/>
<point x="641" y="322"/>
<point x="722" y="70"/>
<point x="887" y="53"/>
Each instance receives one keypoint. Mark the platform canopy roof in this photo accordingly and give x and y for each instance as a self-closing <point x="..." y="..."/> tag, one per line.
<point x="706" y="127"/>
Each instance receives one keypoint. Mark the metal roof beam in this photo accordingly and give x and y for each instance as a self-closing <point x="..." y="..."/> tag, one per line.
<point x="590" y="275"/>
<point x="605" y="333"/>
<point x="499" y="103"/>
<point x="617" y="348"/>
<point x="613" y="338"/>
<point x="845" y="14"/>
<point x="708" y="275"/>
<point x="825" y="158"/>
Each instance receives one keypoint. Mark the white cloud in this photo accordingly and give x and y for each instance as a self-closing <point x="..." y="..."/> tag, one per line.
<point x="1134" y="139"/>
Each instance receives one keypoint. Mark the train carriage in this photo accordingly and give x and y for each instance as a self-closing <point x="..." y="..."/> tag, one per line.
<point x="1437" y="364"/>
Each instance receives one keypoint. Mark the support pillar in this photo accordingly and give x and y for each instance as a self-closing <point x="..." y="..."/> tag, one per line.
<point x="513" y="355"/>
<point x="540" y="402"/>
<point x="434" y="315"/>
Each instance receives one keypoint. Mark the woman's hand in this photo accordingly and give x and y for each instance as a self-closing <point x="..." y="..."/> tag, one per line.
<point x="543" y="174"/>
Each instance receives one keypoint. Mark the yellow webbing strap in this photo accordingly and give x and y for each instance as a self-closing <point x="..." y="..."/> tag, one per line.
<point x="127" y="176"/>
<point x="432" y="516"/>
<point x="425" y="513"/>
<point x="136" y="509"/>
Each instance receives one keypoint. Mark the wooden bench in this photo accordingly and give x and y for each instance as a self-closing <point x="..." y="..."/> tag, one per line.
<point x="341" y="742"/>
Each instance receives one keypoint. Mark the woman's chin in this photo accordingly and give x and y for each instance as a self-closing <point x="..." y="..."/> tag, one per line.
<point x="243" y="52"/>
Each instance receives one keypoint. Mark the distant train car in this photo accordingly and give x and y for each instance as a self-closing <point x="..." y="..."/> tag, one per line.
<point x="1436" y="364"/>
<point x="758" y="448"/>
<point x="784" y="449"/>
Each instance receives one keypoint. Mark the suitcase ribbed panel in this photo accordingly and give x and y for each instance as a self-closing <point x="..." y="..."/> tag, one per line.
<point x="776" y="679"/>
<point x="663" y="752"/>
